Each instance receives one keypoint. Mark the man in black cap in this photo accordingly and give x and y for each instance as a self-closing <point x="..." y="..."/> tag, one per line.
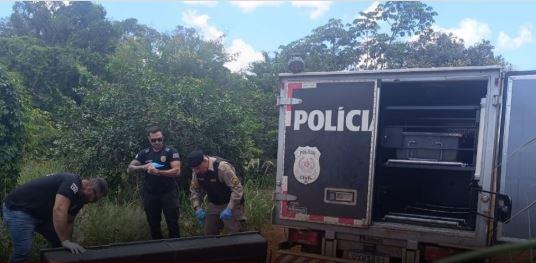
<point x="216" y="178"/>
<point x="48" y="205"/>
<point x="161" y="165"/>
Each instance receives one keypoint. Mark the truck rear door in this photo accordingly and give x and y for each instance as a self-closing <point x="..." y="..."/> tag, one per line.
<point x="326" y="151"/>
<point x="518" y="164"/>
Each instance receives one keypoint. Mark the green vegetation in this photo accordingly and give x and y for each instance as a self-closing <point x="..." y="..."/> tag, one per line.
<point x="78" y="90"/>
<point x="11" y="130"/>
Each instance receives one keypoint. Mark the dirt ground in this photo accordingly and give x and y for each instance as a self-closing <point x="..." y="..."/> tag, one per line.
<point x="273" y="235"/>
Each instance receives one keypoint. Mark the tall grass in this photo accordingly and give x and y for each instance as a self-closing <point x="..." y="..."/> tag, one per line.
<point x="5" y="243"/>
<point x="113" y="221"/>
<point x="35" y="169"/>
<point x="259" y="181"/>
<point x="106" y="222"/>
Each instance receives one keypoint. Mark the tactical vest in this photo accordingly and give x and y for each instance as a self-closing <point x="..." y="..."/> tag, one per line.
<point x="218" y="193"/>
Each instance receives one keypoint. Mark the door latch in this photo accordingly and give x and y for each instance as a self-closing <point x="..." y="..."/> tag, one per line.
<point x="284" y="197"/>
<point x="282" y="101"/>
<point x="503" y="206"/>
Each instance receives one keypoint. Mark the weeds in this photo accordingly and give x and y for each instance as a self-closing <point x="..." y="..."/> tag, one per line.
<point x="5" y="243"/>
<point x="258" y="205"/>
<point x="35" y="169"/>
<point x="106" y="223"/>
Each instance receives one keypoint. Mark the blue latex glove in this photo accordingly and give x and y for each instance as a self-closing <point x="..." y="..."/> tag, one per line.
<point x="226" y="214"/>
<point x="157" y="165"/>
<point x="200" y="215"/>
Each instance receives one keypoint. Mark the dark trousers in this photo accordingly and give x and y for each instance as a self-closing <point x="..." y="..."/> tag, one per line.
<point x="154" y="205"/>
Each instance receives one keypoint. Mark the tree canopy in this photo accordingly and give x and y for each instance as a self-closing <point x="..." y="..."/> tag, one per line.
<point x="11" y="129"/>
<point x="396" y="34"/>
<point x="81" y="88"/>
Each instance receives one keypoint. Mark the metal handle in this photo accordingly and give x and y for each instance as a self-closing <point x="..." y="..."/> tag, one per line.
<point x="440" y="150"/>
<point x="284" y="101"/>
<point x="408" y="153"/>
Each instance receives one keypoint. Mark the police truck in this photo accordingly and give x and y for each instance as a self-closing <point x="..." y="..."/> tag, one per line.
<point x="405" y="165"/>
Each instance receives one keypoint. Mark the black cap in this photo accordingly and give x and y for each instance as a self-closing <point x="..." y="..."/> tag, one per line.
<point x="195" y="158"/>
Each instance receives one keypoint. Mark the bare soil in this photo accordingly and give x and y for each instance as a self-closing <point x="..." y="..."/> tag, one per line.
<point x="274" y="235"/>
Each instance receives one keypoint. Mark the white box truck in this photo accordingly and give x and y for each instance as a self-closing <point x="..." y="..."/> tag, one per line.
<point x="407" y="165"/>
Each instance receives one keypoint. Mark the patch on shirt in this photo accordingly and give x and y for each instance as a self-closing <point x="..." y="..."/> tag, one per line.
<point x="163" y="158"/>
<point x="234" y="181"/>
<point x="74" y="188"/>
<point x="176" y="156"/>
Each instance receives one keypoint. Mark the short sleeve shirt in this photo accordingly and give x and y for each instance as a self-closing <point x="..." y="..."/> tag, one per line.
<point x="155" y="184"/>
<point x="38" y="196"/>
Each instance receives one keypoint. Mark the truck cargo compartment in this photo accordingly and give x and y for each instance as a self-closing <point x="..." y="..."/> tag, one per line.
<point x="426" y="156"/>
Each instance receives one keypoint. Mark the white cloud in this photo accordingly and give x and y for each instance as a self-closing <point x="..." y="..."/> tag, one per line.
<point x="524" y="36"/>
<point x="205" y="3"/>
<point x="248" y="6"/>
<point x="470" y="30"/>
<point x="318" y="7"/>
<point x="370" y="8"/>
<point x="244" y="55"/>
<point x="200" y="22"/>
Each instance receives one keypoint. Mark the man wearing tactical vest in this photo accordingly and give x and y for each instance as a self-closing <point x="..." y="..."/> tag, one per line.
<point x="161" y="165"/>
<point x="216" y="178"/>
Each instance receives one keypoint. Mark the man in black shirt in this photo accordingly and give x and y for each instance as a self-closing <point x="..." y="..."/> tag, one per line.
<point x="161" y="165"/>
<point x="48" y="205"/>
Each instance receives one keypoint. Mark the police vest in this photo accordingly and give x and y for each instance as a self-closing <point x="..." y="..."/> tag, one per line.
<point x="218" y="193"/>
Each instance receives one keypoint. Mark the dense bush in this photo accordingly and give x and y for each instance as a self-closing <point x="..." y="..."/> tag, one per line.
<point x="11" y="131"/>
<point x="107" y="131"/>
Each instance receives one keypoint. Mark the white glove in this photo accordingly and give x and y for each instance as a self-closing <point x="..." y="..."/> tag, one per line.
<point x="73" y="247"/>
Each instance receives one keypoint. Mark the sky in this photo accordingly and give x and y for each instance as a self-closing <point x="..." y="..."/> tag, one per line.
<point x="250" y="27"/>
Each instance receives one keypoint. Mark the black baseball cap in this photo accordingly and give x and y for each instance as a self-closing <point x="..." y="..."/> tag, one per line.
<point x="195" y="158"/>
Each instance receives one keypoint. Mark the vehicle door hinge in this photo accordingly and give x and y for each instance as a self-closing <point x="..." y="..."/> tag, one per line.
<point x="282" y="101"/>
<point x="284" y="197"/>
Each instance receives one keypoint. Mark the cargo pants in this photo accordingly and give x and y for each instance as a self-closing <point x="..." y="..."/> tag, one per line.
<point x="213" y="223"/>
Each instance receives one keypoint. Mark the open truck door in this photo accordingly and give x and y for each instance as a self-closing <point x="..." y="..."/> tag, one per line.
<point x="518" y="163"/>
<point x="326" y="156"/>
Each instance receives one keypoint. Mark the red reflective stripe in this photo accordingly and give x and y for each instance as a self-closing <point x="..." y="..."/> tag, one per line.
<point x="290" y="92"/>
<point x="346" y="221"/>
<point x="316" y="218"/>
